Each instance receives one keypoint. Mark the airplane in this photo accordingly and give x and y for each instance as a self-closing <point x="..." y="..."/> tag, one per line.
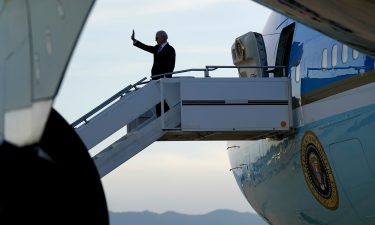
<point x="319" y="172"/>
<point x="323" y="172"/>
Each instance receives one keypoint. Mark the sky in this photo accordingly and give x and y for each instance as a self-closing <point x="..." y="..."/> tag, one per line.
<point x="186" y="177"/>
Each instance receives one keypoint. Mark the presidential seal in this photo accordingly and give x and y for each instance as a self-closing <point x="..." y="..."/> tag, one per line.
<point x="317" y="171"/>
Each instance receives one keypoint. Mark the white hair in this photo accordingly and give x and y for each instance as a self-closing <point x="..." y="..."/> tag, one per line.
<point x="163" y="34"/>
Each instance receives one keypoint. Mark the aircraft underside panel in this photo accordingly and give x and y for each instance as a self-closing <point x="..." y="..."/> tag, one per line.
<point x="37" y="38"/>
<point x="351" y="22"/>
<point x="55" y="28"/>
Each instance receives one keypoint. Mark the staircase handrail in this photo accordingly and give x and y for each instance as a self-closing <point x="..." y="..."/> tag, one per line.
<point x="119" y="94"/>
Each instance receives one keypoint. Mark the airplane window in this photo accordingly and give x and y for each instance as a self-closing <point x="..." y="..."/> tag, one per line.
<point x="334" y="55"/>
<point x="324" y="59"/>
<point x="344" y="54"/>
<point x="298" y="72"/>
<point x="355" y="54"/>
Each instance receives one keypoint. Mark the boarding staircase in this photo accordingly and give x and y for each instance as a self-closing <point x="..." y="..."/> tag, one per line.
<point x="203" y="108"/>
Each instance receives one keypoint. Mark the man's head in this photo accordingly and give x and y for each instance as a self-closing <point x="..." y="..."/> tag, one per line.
<point x="161" y="37"/>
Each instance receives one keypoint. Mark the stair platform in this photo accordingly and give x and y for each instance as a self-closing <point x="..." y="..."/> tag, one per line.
<point x="201" y="109"/>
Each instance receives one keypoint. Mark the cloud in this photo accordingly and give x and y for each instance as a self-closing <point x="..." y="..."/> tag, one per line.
<point x="175" y="6"/>
<point x="203" y="50"/>
<point x="126" y="9"/>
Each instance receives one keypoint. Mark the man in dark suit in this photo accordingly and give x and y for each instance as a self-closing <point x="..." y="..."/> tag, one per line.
<point x="164" y="59"/>
<point x="164" y="54"/>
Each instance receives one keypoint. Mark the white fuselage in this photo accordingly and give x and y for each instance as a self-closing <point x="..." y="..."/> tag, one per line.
<point x="323" y="173"/>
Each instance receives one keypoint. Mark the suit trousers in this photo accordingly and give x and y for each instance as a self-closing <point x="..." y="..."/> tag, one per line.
<point x="158" y="108"/>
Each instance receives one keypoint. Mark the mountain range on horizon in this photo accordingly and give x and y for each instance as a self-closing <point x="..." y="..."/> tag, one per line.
<point x="217" y="217"/>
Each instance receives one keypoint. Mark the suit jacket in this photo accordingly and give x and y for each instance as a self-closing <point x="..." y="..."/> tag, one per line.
<point x="164" y="61"/>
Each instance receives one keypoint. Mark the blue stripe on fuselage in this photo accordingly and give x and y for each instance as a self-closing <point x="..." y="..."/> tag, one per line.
<point x="307" y="51"/>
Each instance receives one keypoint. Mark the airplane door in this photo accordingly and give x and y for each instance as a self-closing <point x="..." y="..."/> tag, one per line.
<point x="284" y="49"/>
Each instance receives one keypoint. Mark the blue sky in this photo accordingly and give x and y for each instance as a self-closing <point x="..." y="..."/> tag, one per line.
<point x="187" y="177"/>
